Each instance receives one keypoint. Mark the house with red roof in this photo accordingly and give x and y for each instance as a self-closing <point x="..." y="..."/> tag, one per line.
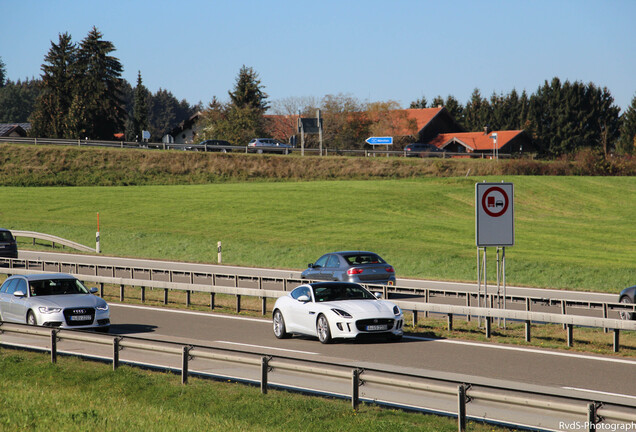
<point x="428" y="125"/>
<point x="507" y="142"/>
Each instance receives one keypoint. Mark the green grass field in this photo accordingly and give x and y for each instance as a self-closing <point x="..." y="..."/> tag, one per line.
<point x="571" y="232"/>
<point x="74" y="395"/>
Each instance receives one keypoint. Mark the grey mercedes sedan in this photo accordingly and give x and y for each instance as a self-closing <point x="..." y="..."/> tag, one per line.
<point x="52" y="300"/>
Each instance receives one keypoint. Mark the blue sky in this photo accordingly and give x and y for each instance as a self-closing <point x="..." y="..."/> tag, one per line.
<point x="374" y="50"/>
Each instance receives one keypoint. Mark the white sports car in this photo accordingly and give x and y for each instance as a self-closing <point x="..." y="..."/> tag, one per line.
<point x="331" y="310"/>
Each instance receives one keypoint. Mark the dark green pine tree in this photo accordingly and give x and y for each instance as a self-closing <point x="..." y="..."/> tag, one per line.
<point x="627" y="142"/>
<point x="3" y="73"/>
<point x="419" y="103"/>
<point x="17" y="100"/>
<point x="98" y="110"/>
<point x="476" y="112"/>
<point x="140" y="110"/>
<point x="248" y="91"/>
<point x="59" y="79"/>
<point x="455" y="109"/>
<point x="437" y="102"/>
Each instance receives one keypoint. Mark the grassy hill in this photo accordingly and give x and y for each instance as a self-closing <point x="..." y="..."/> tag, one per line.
<point x="571" y="232"/>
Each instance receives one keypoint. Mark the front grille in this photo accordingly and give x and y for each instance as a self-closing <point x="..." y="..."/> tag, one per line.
<point x="363" y="324"/>
<point x="79" y="316"/>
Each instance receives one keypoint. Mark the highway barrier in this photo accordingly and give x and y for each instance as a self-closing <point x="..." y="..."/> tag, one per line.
<point x="464" y="397"/>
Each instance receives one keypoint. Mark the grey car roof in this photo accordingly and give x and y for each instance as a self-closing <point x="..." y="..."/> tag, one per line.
<point x="45" y="276"/>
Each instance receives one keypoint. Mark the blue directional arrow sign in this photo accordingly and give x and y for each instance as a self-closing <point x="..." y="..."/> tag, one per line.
<point x="379" y="140"/>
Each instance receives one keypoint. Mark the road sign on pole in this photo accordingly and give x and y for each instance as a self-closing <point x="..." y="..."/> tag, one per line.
<point x="494" y="214"/>
<point x="379" y="140"/>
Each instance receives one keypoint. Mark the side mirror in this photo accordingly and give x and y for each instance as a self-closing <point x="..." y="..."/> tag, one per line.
<point x="304" y="299"/>
<point x="310" y="265"/>
<point x="377" y="294"/>
<point x="19" y="293"/>
<point x="92" y="290"/>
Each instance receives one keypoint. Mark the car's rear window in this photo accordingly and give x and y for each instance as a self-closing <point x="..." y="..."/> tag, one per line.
<point x="358" y="259"/>
<point x="5" y="236"/>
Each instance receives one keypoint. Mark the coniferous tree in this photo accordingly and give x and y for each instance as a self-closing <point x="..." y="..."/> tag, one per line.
<point x="3" y="73"/>
<point x="627" y="141"/>
<point x="59" y="80"/>
<point x="419" y="103"/>
<point x="140" y="110"/>
<point x="248" y="91"/>
<point x="455" y="109"/>
<point x="98" y="108"/>
<point x="17" y="100"/>
<point x="476" y="112"/>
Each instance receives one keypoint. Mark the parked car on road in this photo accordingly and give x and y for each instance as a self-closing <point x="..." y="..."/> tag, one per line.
<point x="351" y="266"/>
<point x="268" y="145"/>
<point x="423" y="150"/>
<point x="8" y="244"/>
<point x="52" y="300"/>
<point x="628" y="295"/>
<point x="331" y="310"/>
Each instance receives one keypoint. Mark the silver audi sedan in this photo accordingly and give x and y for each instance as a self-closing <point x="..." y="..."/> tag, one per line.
<point x="52" y="300"/>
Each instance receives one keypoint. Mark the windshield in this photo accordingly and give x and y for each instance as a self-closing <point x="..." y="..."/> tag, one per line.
<point x="57" y="287"/>
<point x="341" y="292"/>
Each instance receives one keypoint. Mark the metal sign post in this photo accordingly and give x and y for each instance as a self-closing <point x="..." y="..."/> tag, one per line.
<point x="494" y="226"/>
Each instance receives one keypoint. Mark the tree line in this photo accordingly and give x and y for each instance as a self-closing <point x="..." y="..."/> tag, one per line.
<point x="81" y="94"/>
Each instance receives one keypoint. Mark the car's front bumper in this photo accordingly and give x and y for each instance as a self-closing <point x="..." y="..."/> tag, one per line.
<point x="100" y="319"/>
<point x="349" y="328"/>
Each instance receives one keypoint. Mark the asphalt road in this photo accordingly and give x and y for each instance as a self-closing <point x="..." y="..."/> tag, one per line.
<point x="590" y="374"/>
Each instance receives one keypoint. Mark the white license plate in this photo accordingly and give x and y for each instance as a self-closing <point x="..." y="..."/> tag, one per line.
<point x="377" y="327"/>
<point x="81" y="318"/>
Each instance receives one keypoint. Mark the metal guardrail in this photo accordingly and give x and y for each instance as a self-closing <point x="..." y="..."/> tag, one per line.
<point x="242" y="149"/>
<point x="53" y="239"/>
<point x="208" y="283"/>
<point x="462" y="397"/>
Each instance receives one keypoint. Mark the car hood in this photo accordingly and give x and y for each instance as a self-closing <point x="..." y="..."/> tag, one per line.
<point x="364" y="308"/>
<point x="68" y="300"/>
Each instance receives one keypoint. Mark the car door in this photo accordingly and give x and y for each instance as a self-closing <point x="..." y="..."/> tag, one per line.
<point x="302" y="314"/>
<point x="330" y="270"/>
<point x="5" y="299"/>
<point x="20" y="304"/>
<point x="314" y="271"/>
<point x="6" y="296"/>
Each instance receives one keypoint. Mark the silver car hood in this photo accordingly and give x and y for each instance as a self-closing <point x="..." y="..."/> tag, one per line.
<point x="68" y="300"/>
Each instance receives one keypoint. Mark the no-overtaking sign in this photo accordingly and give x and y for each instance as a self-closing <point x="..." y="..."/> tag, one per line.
<point x="494" y="214"/>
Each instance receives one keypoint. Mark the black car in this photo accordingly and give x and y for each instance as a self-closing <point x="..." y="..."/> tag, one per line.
<point x="423" y="150"/>
<point x="628" y="295"/>
<point x="212" y="145"/>
<point x="8" y="245"/>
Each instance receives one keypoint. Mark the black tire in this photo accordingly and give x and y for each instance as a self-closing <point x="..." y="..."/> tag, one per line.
<point x="278" y="324"/>
<point x="31" y="319"/>
<point x="624" y="314"/>
<point x="322" y="329"/>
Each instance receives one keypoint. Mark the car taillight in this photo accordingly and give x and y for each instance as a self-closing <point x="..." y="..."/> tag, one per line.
<point x="390" y="269"/>
<point x="354" y="271"/>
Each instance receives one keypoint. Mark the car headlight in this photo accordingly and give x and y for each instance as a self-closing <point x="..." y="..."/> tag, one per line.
<point x="396" y="311"/>
<point x="49" y="310"/>
<point x="103" y="307"/>
<point x="341" y="313"/>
